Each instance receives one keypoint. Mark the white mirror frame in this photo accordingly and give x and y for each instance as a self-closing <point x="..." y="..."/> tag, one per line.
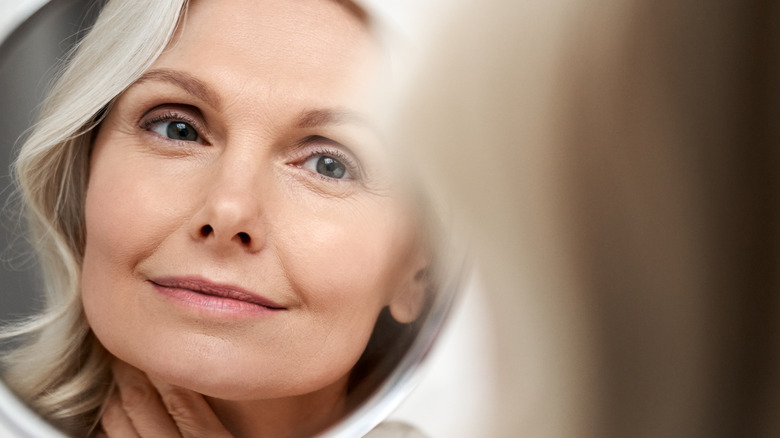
<point x="17" y="421"/>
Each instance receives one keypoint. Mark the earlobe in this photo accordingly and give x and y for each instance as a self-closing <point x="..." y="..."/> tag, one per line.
<point x="409" y="301"/>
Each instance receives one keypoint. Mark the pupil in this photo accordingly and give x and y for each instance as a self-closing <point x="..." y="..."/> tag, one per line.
<point x="181" y="131"/>
<point x="331" y="167"/>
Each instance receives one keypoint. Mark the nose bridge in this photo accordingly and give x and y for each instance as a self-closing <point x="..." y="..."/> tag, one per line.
<point x="232" y="212"/>
<point x="236" y="175"/>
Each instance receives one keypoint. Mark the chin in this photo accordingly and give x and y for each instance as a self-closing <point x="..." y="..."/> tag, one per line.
<point x="224" y="379"/>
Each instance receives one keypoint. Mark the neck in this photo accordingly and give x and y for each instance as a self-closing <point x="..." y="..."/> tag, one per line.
<point x="289" y="417"/>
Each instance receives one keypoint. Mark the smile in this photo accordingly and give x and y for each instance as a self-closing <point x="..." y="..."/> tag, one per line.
<point x="205" y="295"/>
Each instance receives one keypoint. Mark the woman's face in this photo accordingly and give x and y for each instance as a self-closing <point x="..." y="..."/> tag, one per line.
<point x="243" y="232"/>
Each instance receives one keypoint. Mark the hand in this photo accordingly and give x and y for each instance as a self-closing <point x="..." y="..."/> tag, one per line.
<point x="141" y="408"/>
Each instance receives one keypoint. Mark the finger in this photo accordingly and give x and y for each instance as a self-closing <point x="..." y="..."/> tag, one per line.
<point x="114" y="421"/>
<point x="191" y="412"/>
<point x="142" y="404"/>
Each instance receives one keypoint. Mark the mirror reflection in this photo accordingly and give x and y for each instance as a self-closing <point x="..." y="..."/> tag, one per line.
<point x="227" y="246"/>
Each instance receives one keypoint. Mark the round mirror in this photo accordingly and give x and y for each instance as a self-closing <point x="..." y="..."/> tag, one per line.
<point x="248" y="230"/>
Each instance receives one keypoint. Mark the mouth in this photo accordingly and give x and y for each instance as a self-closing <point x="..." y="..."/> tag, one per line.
<point x="203" y="293"/>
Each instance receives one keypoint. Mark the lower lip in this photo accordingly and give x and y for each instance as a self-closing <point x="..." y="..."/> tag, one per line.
<point x="213" y="304"/>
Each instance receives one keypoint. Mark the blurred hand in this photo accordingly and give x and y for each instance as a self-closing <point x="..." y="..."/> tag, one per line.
<point x="141" y="408"/>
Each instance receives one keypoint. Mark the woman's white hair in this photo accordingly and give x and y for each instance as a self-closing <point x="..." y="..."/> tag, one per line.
<point x="60" y="369"/>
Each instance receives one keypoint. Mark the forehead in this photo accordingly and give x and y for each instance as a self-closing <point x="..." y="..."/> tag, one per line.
<point x="292" y="47"/>
<point x="302" y="32"/>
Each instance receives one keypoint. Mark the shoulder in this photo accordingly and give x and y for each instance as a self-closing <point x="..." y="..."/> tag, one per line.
<point x="395" y="429"/>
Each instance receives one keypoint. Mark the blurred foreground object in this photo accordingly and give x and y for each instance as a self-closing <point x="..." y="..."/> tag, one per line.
<point x="618" y="164"/>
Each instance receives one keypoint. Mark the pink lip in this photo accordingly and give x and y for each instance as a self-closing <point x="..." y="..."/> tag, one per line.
<point x="197" y="292"/>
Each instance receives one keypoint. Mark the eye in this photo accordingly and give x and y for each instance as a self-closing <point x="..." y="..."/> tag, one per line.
<point x="327" y="166"/>
<point x="176" y="130"/>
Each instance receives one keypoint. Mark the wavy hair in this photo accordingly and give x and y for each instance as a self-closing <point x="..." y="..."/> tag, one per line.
<point x="60" y="368"/>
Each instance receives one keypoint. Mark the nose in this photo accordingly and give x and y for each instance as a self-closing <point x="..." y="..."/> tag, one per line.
<point x="231" y="215"/>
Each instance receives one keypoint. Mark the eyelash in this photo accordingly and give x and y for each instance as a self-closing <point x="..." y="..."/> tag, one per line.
<point x="171" y="116"/>
<point x="352" y="167"/>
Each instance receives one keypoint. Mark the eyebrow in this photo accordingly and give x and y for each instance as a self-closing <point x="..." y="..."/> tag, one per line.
<point x="320" y="117"/>
<point x="185" y="81"/>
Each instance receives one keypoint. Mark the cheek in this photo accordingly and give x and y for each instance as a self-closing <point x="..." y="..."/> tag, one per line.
<point x="108" y="214"/>
<point x="130" y="206"/>
<point x="350" y="262"/>
<point x="344" y="272"/>
<point x="124" y="223"/>
<point x="112" y="213"/>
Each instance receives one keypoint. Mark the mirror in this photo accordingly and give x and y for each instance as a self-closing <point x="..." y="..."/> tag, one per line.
<point x="184" y="109"/>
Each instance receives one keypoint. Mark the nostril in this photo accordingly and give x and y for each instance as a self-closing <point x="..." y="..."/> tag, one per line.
<point x="206" y="230"/>
<point x="244" y="237"/>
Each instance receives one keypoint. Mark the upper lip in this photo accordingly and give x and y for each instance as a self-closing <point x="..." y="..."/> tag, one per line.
<point x="206" y="287"/>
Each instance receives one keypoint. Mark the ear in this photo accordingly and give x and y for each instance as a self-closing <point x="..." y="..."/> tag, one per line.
<point x="410" y="298"/>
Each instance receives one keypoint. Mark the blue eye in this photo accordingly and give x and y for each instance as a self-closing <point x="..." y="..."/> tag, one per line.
<point x="176" y="130"/>
<point x="327" y="166"/>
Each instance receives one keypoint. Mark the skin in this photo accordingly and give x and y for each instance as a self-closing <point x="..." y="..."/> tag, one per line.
<point x="270" y="87"/>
